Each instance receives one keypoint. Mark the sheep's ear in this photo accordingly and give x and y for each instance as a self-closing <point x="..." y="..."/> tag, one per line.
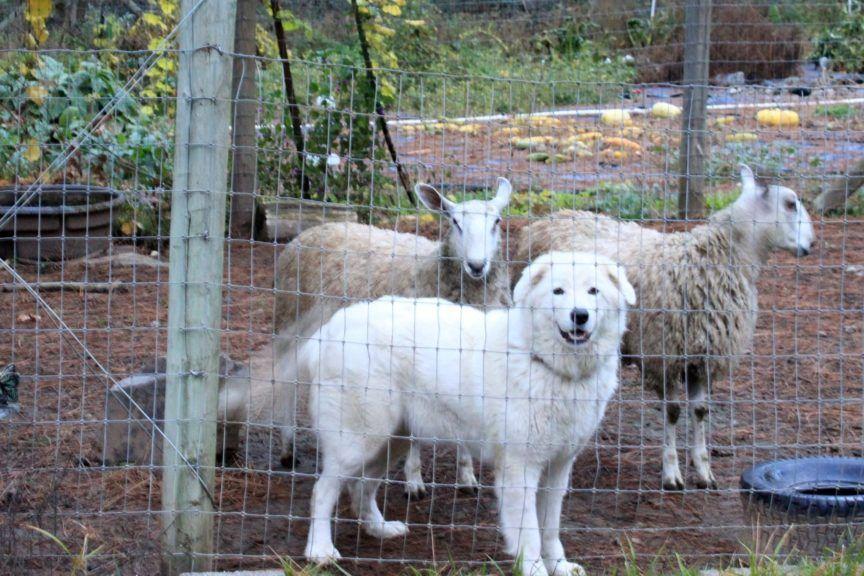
<point x="531" y="277"/>
<point x="502" y="196"/>
<point x="749" y="187"/>
<point x="432" y="198"/>
<point x="619" y="278"/>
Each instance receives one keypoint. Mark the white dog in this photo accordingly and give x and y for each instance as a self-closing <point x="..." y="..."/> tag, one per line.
<point x="524" y="388"/>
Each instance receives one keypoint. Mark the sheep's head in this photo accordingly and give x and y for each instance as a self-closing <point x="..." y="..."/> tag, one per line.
<point x="777" y="213"/>
<point x="475" y="231"/>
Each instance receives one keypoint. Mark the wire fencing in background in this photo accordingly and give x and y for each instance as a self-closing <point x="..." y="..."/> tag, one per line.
<point x="582" y="112"/>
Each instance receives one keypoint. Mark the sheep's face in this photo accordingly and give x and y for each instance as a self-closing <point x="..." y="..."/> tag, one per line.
<point x="780" y="214"/>
<point x="576" y="297"/>
<point x="475" y="226"/>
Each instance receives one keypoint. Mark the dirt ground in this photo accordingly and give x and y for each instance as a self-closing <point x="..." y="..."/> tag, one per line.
<point x="799" y="393"/>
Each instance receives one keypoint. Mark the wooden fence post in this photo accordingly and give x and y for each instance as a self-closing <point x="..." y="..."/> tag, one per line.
<point x="697" y="46"/>
<point x="198" y="201"/>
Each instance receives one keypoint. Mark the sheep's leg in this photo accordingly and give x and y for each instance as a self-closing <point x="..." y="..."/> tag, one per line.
<point x="698" y="400"/>
<point x="550" y="498"/>
<point x="465" y="477"/>
<point x="415" y="488"/>
<point x="287" y="426"/>
<point x="672" y="479"/>
<point x="516" y="486"/>
<point x="286" y="409"/>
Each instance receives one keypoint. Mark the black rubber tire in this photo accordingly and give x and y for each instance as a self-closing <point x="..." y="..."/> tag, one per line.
<point x="812" y="487"/>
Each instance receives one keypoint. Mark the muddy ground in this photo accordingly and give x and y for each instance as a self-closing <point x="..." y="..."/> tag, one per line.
<point x="798" y="393"/>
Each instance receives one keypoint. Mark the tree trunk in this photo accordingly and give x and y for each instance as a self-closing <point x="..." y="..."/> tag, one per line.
<point x="244" y="93"/>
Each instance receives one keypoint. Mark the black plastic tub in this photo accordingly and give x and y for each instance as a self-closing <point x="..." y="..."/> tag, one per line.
<point x="60" y="222"/>
<point x="808" y="506"/>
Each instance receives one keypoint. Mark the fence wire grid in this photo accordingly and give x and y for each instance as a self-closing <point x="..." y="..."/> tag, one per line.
<point x="318" y="219"/>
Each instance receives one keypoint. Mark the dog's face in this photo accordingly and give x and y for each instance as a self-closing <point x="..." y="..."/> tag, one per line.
<point x="575" y="297"/>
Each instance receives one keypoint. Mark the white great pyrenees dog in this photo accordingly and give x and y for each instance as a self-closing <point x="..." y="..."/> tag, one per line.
<point x="524" y="389"/>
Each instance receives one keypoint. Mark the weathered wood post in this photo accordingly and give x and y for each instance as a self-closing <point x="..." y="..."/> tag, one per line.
<point x="195" y="283"/>
<point x="697" y="45"/>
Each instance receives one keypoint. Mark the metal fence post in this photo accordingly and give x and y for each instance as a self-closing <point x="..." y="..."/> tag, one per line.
<point x="195" y="277"/>
<point x="697" y="46"/>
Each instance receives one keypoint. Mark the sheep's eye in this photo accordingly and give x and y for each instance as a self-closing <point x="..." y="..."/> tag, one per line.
<point x="558" y="291"/>
<point x="791" y="205"/>
<point x="592" y="291"/>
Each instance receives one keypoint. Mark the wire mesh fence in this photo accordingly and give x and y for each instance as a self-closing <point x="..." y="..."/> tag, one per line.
<point x="745" y="321"/>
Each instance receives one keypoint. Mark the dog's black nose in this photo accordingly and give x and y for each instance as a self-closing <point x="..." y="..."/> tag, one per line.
<point x="579" y="316"/>
<point x="476" y="269"/>
<point x="802" y="251"/>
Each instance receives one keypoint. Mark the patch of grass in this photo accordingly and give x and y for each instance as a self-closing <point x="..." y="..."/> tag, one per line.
<point x="837" y="111"/>
<point x="78" y="560"/>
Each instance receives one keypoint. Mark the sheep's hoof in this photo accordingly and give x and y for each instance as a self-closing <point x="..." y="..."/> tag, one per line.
<point x="673" y="484"/>
<point x="415" y="493"/>
<point x="706" y="483"/>
<point x="470" y="490"/>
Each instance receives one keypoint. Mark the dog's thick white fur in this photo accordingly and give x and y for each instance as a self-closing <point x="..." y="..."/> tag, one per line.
<point x="524" y="389"/>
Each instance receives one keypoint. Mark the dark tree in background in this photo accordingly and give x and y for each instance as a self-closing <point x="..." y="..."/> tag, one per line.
<point x="244" y="92"/>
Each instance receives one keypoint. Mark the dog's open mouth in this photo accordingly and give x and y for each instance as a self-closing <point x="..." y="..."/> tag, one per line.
<point x="575" y="336"/>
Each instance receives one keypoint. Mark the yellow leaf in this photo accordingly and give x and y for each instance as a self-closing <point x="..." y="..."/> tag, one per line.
<point x="153" y="20"/>
<point x="416" y="23"/>
<point x="39" y="9"/>
<point x="387" y="90"/>
<point x="383" y="30"/>
<point x="392" y="10"/>
<point x="23" y="69"/>
<point x="147" y="110"/>
<point x="127" y="228"/>
<point x="37" y="94"/>
<point x="32" y="153"/>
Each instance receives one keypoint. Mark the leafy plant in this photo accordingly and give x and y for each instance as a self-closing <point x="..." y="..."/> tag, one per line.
<point x="837" y="111"/>
<point x="645" y="32"/>
<point x="49" y="103"/>
<point x="843" y="42"/>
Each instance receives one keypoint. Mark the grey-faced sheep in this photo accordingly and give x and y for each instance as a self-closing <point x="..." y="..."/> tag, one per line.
<point x="332" y="266"/>
<point x="696" y="291"/>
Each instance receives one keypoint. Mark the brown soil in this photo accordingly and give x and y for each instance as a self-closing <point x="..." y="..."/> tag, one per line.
<point x="800" y="392"/>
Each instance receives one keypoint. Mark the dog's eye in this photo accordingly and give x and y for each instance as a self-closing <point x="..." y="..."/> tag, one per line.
<point x="558" y="291"/>
<point x="592" y="291"/>
<point x="497" y="222"/>
<point x="791" y="205"/>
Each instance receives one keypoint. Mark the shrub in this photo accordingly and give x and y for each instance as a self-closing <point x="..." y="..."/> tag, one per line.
<point x="47" y="102"/>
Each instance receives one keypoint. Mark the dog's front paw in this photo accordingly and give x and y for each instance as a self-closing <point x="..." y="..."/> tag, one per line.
<point x="390" y="529"/>
<point x="564" y="568"/>
<point x="322" y="553"/>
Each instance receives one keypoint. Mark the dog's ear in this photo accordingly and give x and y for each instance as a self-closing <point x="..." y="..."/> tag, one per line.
<point x="619" y="278"/>
<point x="531" y="277"/>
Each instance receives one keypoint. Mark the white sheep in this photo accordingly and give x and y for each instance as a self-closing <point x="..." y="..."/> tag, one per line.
<point x="331" y="266"/>
<point x="697" y="293"/>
